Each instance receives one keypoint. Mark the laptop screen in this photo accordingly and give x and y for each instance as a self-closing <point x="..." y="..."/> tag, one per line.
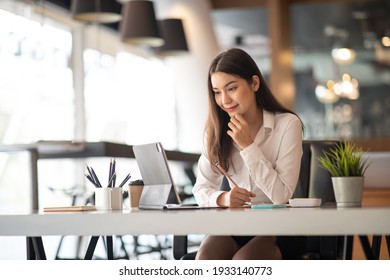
<point x="159" y="188"/>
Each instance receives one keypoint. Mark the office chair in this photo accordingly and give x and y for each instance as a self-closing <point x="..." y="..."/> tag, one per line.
<point x="313" y="182"/>
<point x="320" y="186"/>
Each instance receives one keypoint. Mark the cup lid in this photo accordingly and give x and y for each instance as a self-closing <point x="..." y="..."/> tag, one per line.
<point x="136" y="182"/>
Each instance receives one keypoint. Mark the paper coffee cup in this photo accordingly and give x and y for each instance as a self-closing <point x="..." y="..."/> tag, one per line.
<point x="135" y="191"/>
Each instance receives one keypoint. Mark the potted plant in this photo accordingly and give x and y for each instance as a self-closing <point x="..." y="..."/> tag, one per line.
<point x="347" y="165"/>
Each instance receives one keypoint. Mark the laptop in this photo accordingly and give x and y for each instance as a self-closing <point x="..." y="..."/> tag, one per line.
<point x="159" y="191"/>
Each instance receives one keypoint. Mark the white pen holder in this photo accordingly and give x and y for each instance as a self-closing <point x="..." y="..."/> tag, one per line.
<point x="108" y="198"/>
<point x="103" y="198"/>
<point x="116" y="199"/>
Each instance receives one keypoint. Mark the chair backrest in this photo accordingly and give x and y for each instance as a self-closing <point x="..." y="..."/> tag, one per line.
<point x="313" y="181"/>
<point x="302" y="188"/>
<point x="320" y="182"/>
<point x="225" y="185"/>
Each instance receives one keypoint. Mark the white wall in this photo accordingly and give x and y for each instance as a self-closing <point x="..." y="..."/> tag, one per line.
<point x="191" y="71"/>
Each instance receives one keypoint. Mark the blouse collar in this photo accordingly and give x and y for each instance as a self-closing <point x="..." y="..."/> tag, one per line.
<point x="267" y="127"/>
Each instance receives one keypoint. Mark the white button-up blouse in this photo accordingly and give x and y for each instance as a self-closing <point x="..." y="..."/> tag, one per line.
<point x="269" y="167"/>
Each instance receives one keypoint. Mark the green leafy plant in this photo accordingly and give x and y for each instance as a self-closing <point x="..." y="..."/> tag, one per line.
<point x="344" y="160"/>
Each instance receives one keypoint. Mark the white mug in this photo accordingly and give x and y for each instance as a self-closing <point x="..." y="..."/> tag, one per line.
<point x="116" y="199"/>
<point x="103" y="198"/>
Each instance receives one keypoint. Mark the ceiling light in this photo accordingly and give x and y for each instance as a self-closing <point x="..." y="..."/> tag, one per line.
<point x="343" y="55"/>
<point x="386" y="41"/>
<point x="175" y="42"/>
<point x="139" y="25"/>
<point x="101" y="11"/>
<point x="347" y="88"/>
<point x="325" y="95"/>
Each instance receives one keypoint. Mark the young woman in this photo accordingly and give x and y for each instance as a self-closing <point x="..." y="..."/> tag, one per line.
<point x="258" y="141"/>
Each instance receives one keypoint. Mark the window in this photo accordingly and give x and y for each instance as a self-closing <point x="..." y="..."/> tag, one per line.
<point x="36" y="94"/>
<point x="129" y="99"/>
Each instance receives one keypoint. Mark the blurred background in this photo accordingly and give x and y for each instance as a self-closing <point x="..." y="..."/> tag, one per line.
<point x="64" y="77"/>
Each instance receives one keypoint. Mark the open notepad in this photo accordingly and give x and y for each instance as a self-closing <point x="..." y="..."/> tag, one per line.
<point x="69" y="208"/>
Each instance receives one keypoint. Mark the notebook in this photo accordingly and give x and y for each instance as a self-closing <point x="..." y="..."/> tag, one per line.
<point x="159" y="190"/>
<point x="69" y="208"/>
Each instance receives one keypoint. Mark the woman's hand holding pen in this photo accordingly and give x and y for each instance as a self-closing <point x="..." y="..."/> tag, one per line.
<point x="239" y="131"/>
<point x="236" y="197"/>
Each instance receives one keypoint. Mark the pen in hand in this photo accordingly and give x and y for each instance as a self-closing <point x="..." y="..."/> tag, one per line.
<point x="247" y="193"/>
<point x="226" y="174"/>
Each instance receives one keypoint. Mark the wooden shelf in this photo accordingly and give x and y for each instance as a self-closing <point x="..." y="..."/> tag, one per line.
<point x="374" y="144"/>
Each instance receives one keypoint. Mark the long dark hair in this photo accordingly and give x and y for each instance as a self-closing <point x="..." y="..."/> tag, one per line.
<point x="238" y="63"/>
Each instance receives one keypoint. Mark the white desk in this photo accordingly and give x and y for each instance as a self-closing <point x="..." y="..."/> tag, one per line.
<point x="288" y="221"/>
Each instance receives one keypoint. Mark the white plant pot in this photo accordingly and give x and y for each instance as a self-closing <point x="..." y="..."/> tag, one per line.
<point x="348" y="191"/>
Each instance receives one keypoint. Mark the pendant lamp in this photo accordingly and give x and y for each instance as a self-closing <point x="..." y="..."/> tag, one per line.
<point x="343" y="54"/>
<point x="101" y="11"/>
<point x="139" y="25"/>
<point x="175" y="42"/>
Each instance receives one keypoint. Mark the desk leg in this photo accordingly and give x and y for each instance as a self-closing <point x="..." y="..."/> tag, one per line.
<point x="35" y="249"/>
<point x="30" y="249"/>
<point x="123" y="247"/>
<point x="368" y="251"/>
<point x="110" y="249"/>
<point x="91" y="248"/>
<point x="347" y="248"/>
<point x="376" y="246"/>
